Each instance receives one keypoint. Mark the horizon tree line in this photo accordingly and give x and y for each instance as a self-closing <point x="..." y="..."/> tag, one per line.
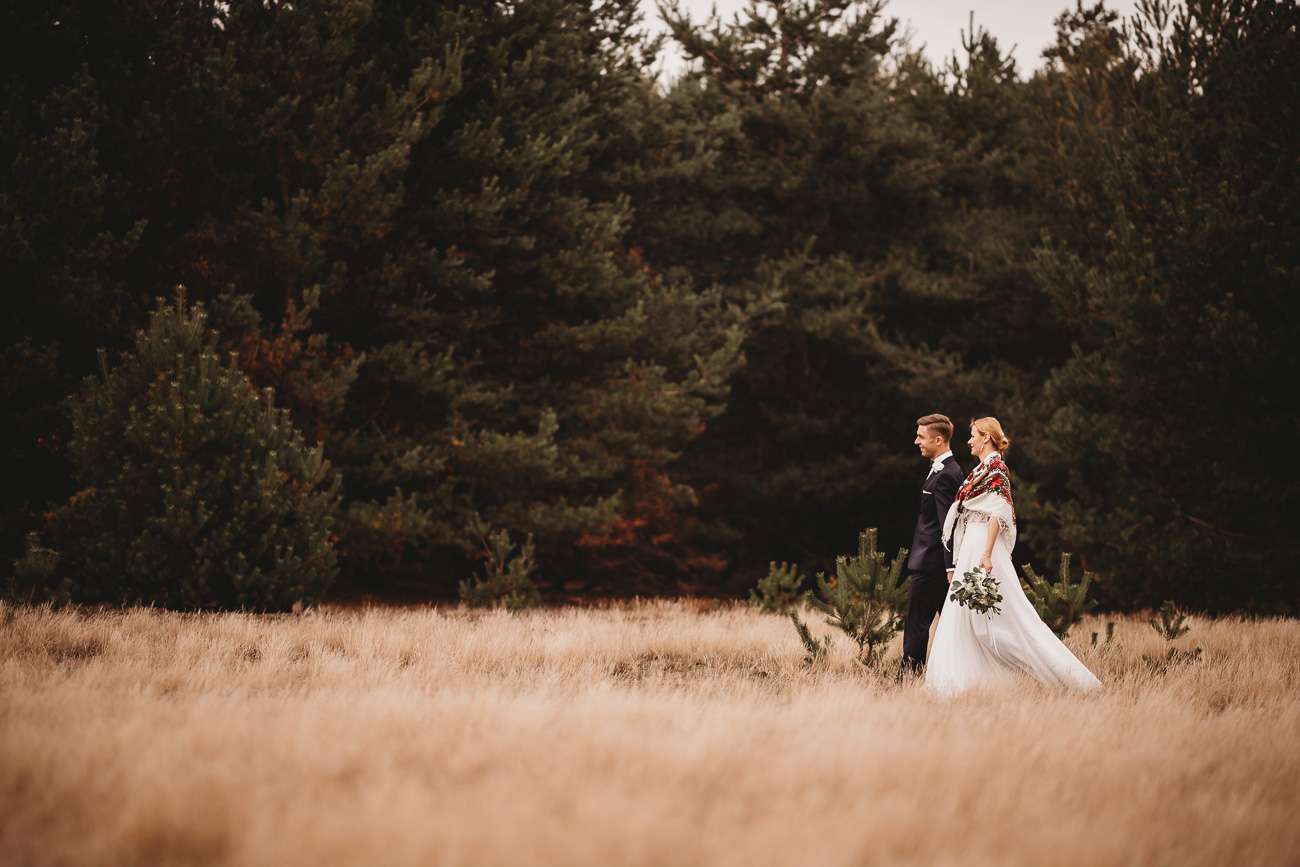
<point x="662" y="334"/>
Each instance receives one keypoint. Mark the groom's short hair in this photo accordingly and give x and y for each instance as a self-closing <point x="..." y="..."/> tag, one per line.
<point x="936" y="424"/>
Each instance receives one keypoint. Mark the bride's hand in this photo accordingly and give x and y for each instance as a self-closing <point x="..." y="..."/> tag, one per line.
<point x="986" y="563"/>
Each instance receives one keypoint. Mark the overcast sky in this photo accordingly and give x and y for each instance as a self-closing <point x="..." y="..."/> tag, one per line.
<point x="937" y="24"/>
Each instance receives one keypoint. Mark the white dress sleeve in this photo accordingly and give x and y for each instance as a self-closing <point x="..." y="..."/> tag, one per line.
<point x="980" y="509"/>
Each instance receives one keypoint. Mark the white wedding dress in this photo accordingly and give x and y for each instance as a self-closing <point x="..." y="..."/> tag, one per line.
<point x="971" y="647"/>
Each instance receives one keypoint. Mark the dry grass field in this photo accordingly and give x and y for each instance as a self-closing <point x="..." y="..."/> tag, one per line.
<point x="644" y="734"/>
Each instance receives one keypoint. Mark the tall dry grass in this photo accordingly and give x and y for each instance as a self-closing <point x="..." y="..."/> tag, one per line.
<point x="655" y="733"/>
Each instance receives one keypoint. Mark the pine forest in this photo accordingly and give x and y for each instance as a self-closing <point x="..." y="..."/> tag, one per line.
<point x="432" y="301"/>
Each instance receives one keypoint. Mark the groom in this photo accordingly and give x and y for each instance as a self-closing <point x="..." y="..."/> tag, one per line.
<point x="929" y="562"/>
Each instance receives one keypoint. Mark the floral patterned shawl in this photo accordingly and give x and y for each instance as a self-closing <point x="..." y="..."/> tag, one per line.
<point x="989" y="477"/>
<point x="987" y="490"/>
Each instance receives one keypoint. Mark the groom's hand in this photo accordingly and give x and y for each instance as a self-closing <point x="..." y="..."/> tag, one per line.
<point x="950" y="576"/>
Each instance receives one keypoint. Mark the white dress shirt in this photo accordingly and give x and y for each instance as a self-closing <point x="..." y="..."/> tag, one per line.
<point x="937" y="463"/>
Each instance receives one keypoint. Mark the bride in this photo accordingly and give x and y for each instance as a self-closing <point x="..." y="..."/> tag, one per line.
<point x="971" y="647"/>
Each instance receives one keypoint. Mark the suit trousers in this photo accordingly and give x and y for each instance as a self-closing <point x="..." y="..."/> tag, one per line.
<point x="925" y="598"/>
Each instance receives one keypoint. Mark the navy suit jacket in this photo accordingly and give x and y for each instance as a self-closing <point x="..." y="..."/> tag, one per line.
<point x="928" y="553"/>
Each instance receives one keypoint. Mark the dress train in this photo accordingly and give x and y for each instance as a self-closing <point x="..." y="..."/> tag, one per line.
<point x="972" y="647"/>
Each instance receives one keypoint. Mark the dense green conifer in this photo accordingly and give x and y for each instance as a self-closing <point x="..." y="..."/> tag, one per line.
<point x="194" y="491"/>
<point x="864" y="206"/>
<point x="67" y="226"/>
<point x="1177" y="273"/>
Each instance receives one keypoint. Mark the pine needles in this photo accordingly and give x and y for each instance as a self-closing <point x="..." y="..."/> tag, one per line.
<point x="778" y="591"/>
<point x="864" y="600"/>
<point x="1170" y="627"/>
<point x="507" y="576"/>
<point x="1061" y="604"/>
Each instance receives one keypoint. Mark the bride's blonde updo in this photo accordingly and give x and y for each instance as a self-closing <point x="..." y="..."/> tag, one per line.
<point x="990" y="426"/>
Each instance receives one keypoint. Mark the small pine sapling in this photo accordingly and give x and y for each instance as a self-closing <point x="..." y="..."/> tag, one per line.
<point x="865" y="601"/>
<point x="777" y="592"/>
<point x="1061" y="604"/>
<point x="507" y="579"/>
<point x="816" y="649"/>
<point x="1109" y="643"/>
<point x="33" y="580"/>
<point x="1170" y="627"/>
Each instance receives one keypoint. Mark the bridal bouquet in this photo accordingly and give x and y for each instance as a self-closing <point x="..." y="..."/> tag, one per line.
<point x="978" y="591"/>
